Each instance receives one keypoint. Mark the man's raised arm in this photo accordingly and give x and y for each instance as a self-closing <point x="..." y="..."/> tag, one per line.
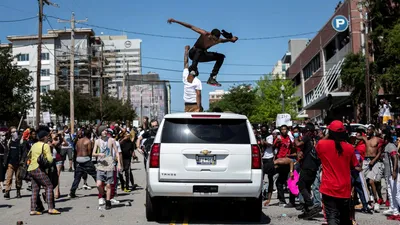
<point x="185" y="58"/>
<point x="196" y="29"/>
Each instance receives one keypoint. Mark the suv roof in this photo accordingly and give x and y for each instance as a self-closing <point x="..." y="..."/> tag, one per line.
<point x="204" y="115"/>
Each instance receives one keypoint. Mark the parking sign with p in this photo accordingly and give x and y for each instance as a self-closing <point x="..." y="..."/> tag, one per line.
<point x="340" y="23"/>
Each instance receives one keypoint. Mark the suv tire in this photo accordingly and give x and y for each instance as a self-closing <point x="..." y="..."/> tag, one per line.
<point x="254" y="209"/>
<point x="153" y="208"/>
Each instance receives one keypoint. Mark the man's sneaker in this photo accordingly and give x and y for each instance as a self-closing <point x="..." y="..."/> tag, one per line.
<point x="102" y="201"/>
<point x="114" y="201"/>
<point x="376" y="207"/>
<point x="72" y="195"/>
<point x="213" y="82"/>
<point x="366" y="211"/>
<point x="312" y="212"/>
<point x="127" y="190"/>
<point x="290" y="205"/>
<point x="86" y="187"/>
<point x="388" y="212"/>
<point x="300" y="207"/>
<point x="108" y="205"/>
<point x="380" y="201"/>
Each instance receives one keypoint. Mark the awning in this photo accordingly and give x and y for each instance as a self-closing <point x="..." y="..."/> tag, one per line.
<point x="338" y="98"/>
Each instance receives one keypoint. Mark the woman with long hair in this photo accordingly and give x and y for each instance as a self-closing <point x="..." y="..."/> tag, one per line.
<point x="38" y="176"/>
<point x="337" y="159"/>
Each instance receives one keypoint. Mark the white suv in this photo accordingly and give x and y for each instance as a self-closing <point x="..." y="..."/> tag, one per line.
<point x="204" y="155"/>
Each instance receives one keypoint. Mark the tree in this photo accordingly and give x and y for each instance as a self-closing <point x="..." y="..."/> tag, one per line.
<point x="15" y="89"/>
<point x="390" y="79"/>
<point x="269" y="101"/>
<point x="114" y="109"/>
<point x="241" y="99"/>
<point x="87" y="107"/>
<point x="353" y="76"/>
<point x="385" y="34"/>
<point x="57" y="102"/>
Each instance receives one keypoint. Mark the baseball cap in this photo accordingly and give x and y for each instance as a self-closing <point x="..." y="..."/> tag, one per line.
<point x="337" y="126"/>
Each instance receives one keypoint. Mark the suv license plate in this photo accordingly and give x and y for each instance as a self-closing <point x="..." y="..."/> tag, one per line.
<point x="206" y="160"/>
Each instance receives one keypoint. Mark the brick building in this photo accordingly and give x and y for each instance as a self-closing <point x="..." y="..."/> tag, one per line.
<point x="316" y="70"/>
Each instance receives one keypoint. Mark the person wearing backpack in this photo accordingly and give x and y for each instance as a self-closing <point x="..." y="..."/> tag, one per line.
<point x="309" y="165"/>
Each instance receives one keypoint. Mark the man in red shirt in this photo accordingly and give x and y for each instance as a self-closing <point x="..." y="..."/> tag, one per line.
<point x="283" y="144"/>
<point x="337" y="159"/>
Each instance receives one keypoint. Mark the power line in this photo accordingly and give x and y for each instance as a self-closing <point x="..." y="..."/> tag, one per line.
<point x="211" y="63"/>
<point x="18" y="20"/>
<point x="191" y="38"/>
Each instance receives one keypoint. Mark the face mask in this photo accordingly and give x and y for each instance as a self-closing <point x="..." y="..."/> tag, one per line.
<point x="2" y="137"/>
<point x="296" y="135"/>
<point x="14" y="136"/>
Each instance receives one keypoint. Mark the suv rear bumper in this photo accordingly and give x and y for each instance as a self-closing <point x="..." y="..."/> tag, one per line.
<point x="171" y="189"/>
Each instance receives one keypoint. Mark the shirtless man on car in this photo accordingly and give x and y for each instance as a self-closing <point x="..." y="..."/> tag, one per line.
<point x="372" y="166"/>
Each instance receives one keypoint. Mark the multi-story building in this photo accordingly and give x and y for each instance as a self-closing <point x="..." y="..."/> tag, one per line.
<point x="82" y="62"/>
<point x="316" y="70"/>
<point x="124" y="60"/>
<point x="148" y="95"/>
<point x="24" y="50"/>
<point x="55" y="68"/>
<point x="279" y="70"/>
<point x="214" y="96"/>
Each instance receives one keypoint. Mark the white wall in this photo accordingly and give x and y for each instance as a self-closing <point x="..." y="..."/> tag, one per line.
<point x="29" y="47"/>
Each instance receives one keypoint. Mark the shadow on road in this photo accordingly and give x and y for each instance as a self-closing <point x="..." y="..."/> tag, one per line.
<point x="206" y="214"/>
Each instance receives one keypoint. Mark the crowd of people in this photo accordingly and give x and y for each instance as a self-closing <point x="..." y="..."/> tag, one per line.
<point x="103" y="152"/>
<point x="331" y="170"/>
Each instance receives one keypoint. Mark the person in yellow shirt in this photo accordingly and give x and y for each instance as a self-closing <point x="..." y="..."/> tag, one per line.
<point x="38" y="176"/>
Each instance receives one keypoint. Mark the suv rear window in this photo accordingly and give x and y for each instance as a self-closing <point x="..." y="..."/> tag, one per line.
<point x="215" y="131"/>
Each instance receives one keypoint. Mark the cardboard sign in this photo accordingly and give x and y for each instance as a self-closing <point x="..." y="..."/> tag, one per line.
<point x="283" y="119"/>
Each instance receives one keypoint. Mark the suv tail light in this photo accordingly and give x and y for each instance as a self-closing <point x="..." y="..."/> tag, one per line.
<point x="155" y="156"/>
<point x="255" y="157"/>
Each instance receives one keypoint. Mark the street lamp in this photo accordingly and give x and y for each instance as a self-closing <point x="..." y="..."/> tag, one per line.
<point x="283" y="98"/>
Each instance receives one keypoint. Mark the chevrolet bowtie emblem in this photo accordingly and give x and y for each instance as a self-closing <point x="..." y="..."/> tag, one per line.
<point x="205" y="152"/>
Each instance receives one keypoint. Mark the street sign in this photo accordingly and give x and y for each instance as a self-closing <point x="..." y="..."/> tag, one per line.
<point x="340" y="23"/>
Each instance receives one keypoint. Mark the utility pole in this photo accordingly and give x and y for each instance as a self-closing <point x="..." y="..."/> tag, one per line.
<point x="367" y="75"/>
<point x="39" y="59"/>
<point x="101" y="79"/>
<point x="123" y="84"/>
<point x="39" y="64"/>
<point x="72" y="68"/>
<point x="141" y="100"/>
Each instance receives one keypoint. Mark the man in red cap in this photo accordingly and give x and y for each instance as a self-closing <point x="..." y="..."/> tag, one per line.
<point x="337" y="159"/>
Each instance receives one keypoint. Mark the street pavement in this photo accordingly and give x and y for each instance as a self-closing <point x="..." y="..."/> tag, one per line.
<point x="84" y="210"/>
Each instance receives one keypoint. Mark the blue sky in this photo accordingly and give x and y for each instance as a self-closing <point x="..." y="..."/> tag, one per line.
<point x="253" y="19"/>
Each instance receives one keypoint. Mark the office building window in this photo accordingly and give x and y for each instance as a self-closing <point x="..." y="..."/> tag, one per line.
<point x="312" y="67"/>
<point x="44" y="88"/>
<point x="283" y="67"/>
<point x="23" y="57"/>
<point x="45" y="56"/>
<point x="45" y="72"/>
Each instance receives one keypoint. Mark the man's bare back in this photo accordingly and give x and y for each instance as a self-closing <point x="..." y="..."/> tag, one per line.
<point x="84" y="147"/>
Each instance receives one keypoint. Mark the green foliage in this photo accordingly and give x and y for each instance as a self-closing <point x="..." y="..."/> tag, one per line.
<point x="15" y="88"/>
<point x="353" y="76"/>
<point x="269" y="101"/>
<point x="57" y="101"/>
<point x="390" y="80"/>
<point x="385" y="36"/>
<point x="259" y="104"/>
<point x="86" y="106"/>
<point x="113" y="109"/>
<point x="241" y="99"/>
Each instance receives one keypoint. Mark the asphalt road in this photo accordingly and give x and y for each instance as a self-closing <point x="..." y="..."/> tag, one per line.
<point x="84" y="210"/>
